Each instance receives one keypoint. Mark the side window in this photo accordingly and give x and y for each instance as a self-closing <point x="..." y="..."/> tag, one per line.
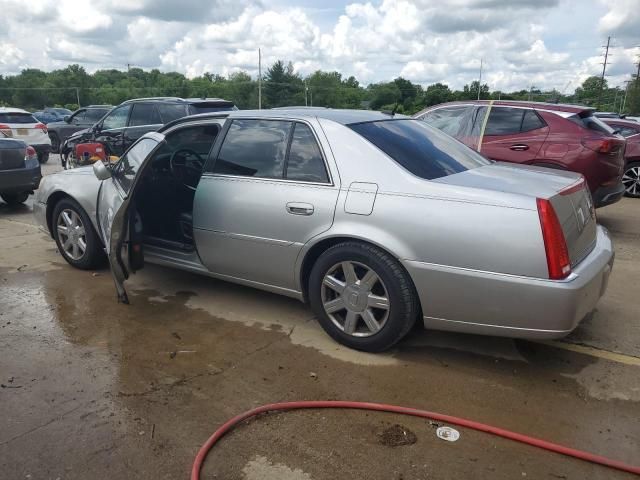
<point x="79" y="117"/>
<point x="93" y="115"/>
<point x="504" y="121"/>
<point x="128" y="165"/>
<point x="144" y="114"/>
<point x="447" y="119"/>
<point x="254" y="148"/>
<point x="305" y="159"/>
<point x="171" y="111"/>
<point x="117" y="118"/>
<point x="531" y="121"/>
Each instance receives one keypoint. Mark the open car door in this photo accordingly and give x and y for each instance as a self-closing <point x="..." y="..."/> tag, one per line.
<point x="118" y="222"/>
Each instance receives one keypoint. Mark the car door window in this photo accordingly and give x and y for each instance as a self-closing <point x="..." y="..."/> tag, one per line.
<point x="447" y="119"/>
<point x="531" y="121"/>
<point x="144" y="114"/>
<point x="117" y="118"/>
<point x="254" y="148"/>
<point x="171" y="111"/>
<point x="305" y="160"/>
<point x="504" y="121"/>
<point x="92" y="116"/>
<point x="79" y="117"/>
<point x="127" y="167"/>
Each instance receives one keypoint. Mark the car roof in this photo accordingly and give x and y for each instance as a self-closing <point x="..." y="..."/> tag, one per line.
<point x="177" y="100"/>
<point x="343" y="116"/>
<point x="559" y="107"/>
<point x="12" y="110"/>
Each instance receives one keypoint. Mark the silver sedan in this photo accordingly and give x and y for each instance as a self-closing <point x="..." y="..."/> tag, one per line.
<point x="375" y="220"/>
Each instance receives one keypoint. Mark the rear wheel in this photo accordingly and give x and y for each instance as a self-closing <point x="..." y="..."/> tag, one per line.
<point x="15" y="198"/>
<point x="631" y="180"/>
<point x="74" y="234"/>
<point x="43" y="157"/>
<point x="362" y="296"/>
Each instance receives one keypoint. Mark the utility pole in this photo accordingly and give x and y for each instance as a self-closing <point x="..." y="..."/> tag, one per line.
<point x="480" y="79"/>
<point x="259" y="79"/>
<point x="78" y="96"/>
<point x="604" y="69"/>
<point x="624" y="101"/>
<point x="530" y="92"/>
<point x="306" y="90"/>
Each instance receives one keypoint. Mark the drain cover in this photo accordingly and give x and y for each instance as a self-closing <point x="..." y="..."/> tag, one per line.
<point x="447" y="433"/>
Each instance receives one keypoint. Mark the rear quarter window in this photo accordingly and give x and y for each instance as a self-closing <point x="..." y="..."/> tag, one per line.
<point x="422" y="150"/>
<point x="17" y="117"/>
<point x="591" y="122"/>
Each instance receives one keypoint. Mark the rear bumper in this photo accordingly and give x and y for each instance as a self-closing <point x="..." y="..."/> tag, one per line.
<point x="487" y="303"/>
<point x="604" y="196"/>
<point x="20" y="179"/>
<point x="40" y="214"/>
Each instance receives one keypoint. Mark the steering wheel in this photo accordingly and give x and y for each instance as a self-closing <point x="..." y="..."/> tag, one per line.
<point x="187" y="169"/>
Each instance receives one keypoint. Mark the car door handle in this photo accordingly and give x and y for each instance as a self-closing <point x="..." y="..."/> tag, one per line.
<point x="300" y="208"/>
<point x="519" y="147"/>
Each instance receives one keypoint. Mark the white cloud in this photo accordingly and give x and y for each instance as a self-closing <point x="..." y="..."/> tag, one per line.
<point x="375" y="40"/>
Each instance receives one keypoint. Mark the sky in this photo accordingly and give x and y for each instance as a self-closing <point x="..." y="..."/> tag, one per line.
<point x="522" y="43"/>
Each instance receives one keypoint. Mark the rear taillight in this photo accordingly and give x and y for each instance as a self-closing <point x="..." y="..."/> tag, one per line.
<point x="555" y="245"/>
<point x="41" y="126"/>
<point x="30" y="153"/>
<point x="600" y="145"/>
<point x="6" y="130"/>
<point x="573" y="188"/>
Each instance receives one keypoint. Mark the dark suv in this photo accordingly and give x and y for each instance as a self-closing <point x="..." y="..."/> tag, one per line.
<point x="566" y="137"/>
<point x="81" y="119"/>
<point x="131" y="119"/>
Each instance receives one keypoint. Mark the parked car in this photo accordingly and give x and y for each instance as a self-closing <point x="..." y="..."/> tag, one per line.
<point x="631" y="131"/>
<point x="19" y="170"/>
<point x="20" y="124"/>
<point x="51" y="114"/>
<point x="376" y="220"/>
<point x="81" y="119"/>
<point x="131" y="119"/>
<point x="564" y="137"/>
<point x="608" y="115"/>
<point x="635" y="119"/>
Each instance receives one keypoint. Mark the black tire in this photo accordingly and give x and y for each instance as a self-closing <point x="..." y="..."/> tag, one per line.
<point x="43" y="157"/>
<point x="403" y="303"/>
<point x="55" y="142"/>
<point x="630" y="180"/>
<point x="14" y="199"/>
<point x="93" y="255"/>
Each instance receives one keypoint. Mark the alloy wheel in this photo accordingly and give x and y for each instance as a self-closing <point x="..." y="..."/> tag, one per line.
<point x="631" y="180"/>
<point x="355" y="299"/>
<point x="71" y="233"/>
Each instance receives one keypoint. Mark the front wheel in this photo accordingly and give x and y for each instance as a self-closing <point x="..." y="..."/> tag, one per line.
<point x="631" y="180"/>
<point x="55" y="142"/>
<point x="362" y="296"/>
<point x="15" y="198"/>
<point x="75" y="236"/>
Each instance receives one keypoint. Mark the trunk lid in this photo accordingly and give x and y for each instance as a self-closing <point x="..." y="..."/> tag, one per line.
<point x="567" y="192"/>
<point x="12" y="154"/>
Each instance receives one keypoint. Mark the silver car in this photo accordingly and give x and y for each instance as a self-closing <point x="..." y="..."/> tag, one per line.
<point x="376" y="220"/>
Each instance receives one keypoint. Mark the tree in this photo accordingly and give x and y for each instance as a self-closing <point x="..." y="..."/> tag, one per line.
<point x="590" y="90"/>
<point x="282" y="86"/>
<point x="437" y="93"/>
<point x="470" y="92"/>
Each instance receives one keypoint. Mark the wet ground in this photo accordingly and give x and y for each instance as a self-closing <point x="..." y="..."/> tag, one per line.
<point x="96" y="390"/>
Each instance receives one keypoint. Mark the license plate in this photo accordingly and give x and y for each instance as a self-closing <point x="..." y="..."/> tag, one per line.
<point x="23" y="132"/>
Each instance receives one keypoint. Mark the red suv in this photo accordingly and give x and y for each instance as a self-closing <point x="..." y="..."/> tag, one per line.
<point x="630" y="130"/>
<point x="567" y="137"/>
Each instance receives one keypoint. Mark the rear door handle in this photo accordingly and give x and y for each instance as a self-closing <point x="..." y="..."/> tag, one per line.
<point x="296" y="208"/>
<point x="519" y="147"/>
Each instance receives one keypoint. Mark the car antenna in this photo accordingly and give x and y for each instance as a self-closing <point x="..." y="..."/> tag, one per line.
<point x="390" y="112"/>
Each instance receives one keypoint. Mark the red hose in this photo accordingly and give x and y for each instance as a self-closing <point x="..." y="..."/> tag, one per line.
<point x="381" y="407"/>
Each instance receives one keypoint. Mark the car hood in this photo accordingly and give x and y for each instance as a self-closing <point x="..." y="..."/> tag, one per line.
<point x="56" y="124"/>
<point x="79" y="133"/>
<point x="514" y="178"/>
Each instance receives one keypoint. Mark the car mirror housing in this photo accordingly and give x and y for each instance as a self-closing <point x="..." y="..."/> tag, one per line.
<point x="66" y="118"/>
<point x="101" y="171"/>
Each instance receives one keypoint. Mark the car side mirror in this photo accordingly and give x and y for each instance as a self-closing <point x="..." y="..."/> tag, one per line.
<point x="101" y="171"/>
<point x="67" y="118"/>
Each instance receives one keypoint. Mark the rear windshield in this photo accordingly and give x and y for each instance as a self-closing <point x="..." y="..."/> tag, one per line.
<point x="591" y="122"/>
<point x="17" y="118"/>
<point x="420" y="148"/>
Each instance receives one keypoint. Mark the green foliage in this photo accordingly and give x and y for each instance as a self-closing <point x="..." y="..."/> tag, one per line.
<point x="281" y="86"/>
